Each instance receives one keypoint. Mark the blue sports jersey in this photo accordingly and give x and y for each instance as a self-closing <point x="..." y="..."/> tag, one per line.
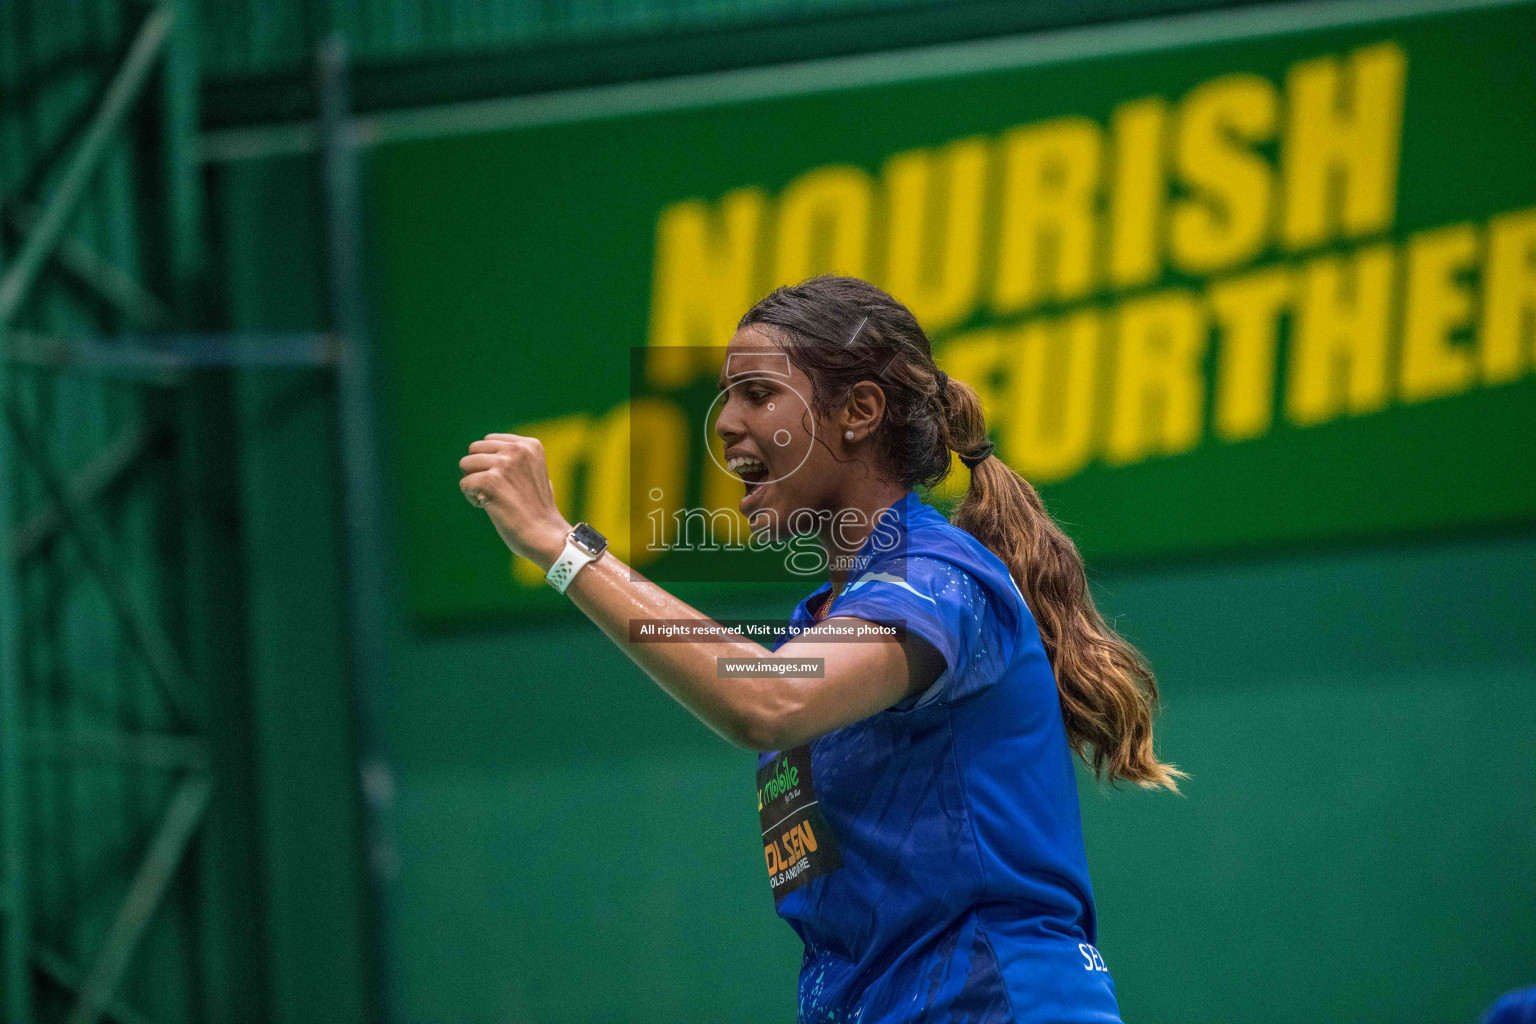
<point x="931" y="856"/>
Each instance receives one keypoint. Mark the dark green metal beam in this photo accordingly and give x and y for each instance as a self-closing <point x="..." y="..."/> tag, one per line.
<point x="367" y="580"/>
<point x="164" y="359"/>
<point x="109" y="467"/>
<point x="44" y="242"/>
<point x="15" y="916"/>
<point x="178" y="826"/>
<point x="15" y="904"/>
<point x="625" y="53"/>
<point x="86" y="160"/>
<point x="151" y="750"/>
<point x="183" y="182"/>
<point x="66" y="975"/>
<point x="41" y="240"/>
<point x="147" y="636"/>
<point x="110" y="283"/>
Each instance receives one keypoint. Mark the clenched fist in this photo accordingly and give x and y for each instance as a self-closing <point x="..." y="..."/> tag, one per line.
<point x="506" y="475"/>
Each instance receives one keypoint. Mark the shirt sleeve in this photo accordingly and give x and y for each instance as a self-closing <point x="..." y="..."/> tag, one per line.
<point x="946" y="606"/>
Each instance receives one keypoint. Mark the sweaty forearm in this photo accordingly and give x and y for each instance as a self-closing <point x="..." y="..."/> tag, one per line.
<point x="613" y="595"/>
<point x="764" y="712"/>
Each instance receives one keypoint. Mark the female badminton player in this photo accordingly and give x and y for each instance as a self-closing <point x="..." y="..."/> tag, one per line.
<point x="920" y="818"/>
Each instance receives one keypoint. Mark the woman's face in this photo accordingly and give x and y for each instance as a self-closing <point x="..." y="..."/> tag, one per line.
<point x="787" y="456"/>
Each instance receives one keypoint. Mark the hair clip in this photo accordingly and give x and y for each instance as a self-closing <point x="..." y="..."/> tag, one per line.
<point x="857" y="329"/>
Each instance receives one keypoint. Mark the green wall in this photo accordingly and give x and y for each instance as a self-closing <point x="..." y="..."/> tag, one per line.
<point x="314" y="942"/>
<point x="1356" y="843"/>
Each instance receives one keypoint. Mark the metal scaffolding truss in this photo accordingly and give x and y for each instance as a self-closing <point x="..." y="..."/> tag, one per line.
<point x="156" y="357"/>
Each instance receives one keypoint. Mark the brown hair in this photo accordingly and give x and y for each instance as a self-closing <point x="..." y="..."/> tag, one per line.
<point x="841" y="330"/>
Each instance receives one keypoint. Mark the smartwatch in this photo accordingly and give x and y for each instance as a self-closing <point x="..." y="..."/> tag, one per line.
<point x="582" y="545"/>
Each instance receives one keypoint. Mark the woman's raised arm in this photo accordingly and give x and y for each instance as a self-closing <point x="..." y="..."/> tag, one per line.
<point x="506" y="475"/>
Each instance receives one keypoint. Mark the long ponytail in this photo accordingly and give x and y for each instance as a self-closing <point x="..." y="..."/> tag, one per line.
<point x="1108" y="693"/>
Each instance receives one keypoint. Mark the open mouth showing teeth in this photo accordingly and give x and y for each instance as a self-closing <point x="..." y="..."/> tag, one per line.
<point x="752" y="471"/>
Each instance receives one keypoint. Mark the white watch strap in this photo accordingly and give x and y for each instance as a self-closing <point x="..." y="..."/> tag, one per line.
<point x="567" y="565"/>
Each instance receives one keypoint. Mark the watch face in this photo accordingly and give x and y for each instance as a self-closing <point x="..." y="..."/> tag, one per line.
<point x="590" y="539"/>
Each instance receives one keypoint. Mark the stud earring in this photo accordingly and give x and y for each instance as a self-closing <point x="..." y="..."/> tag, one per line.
<point x="848" y="434"/>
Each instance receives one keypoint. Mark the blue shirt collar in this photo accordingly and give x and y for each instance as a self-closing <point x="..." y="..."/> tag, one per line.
<point x="910" y="508"/>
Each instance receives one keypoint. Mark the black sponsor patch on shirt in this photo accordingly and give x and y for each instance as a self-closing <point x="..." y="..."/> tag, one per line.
<point x="797" y="841"/>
